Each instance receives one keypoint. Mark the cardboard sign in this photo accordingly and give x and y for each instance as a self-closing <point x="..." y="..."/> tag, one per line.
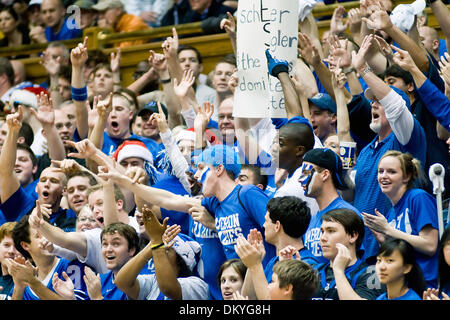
<point x="263" y="24"/>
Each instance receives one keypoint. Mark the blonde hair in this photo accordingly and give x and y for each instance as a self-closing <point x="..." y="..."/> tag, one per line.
<point x="6" y="229"/>
<point x="409" y="165"/>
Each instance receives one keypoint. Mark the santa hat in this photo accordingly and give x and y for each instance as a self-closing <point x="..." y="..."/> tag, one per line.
<point x="37" y="90"/>
<point x="23" y="97"/>
<point x="132" y="148"/>
<point x="188" y="134"/>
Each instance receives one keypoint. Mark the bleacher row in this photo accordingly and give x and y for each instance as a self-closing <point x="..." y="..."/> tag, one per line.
<point x="211" y="47"/>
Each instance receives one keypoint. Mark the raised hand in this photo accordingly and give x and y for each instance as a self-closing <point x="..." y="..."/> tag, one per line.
<point x="52" y="66"/>
<point x="44" y="114"/>
<point x="64" y="287"/>
<point x="181" y="89"/>
<point x="153" y="227"/>
<point x="103" y="107"/>
<point x="444" y="65"/>
<point x="354" y="19"/>
<point x="384" y="47"/>
<point x="229" y="25"/>
<point x="85" y="148"/>
<point x="160" y="119"/>
<point x="378" y="20"/>
<point x="308" y="50"/>
<point x="403" y="59"/>
<point x="170" y="234"/>
<point x="93" y="284"/>
<point x="66" y="166"/>
<point x="338" y="77"/>
<point x="339" y="52"/>
<point x="137" y="175"/>
<point x="233" y="82"/>
<point x="249" y="255"/>
<point x="158" y="61"/>
<point x="359" y="59"/>
<point x="288" y="252"/>
<point x="203" y="115"/>
<point x="79" y="54"/>
<point x="170" y="45"/>
<point x="36" y="218"/>
<point x="337" y="25"/>
<point x="14" y="120"/>
<point x="342" y="259"/>
<point x="115" y="60"/>
<point x="276" y="66"/>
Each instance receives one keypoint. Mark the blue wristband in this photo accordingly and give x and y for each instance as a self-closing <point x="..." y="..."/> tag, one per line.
<point x="79" y="94"/>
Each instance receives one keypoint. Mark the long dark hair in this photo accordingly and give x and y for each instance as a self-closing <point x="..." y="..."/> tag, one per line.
<point x="443" y="267"/>
<point x="413" y="279"/>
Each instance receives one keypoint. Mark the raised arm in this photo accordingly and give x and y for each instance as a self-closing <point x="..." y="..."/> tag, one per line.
<point x="280" y="69"/>
<point x="165" y="273"/>
<point x="380" y="20"/>
<point x="78" y="57"/>
<point x="229" y="25"/>
<point x="126" y="278"/>
<point x="161" y="64"/>
<point x="52" y="67"/>
<point x="46" y="116"/>
<point x="115" y="68"/>
<point x="74" y="241"/>
<point x="343" y="119"/>
<point x="158" y="197"/>
<point x="442" y="15"/>
<point x="9" y="182"/>
<point x="252" y="257"/>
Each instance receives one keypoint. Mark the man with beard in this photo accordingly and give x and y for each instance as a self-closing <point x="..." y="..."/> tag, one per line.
<point x="396" y="129"/>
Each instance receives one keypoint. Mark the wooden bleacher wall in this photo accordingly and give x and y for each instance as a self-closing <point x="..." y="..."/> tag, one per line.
<point x="211" y="47"/>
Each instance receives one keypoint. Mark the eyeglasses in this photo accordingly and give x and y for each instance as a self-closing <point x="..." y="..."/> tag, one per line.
<point x="59" y="125"/>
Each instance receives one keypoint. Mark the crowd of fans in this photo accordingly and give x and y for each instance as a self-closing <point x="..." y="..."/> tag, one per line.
<point x="155" y="191"/>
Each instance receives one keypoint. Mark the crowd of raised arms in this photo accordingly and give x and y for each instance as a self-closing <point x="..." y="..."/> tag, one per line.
<point x="155" y="191"/>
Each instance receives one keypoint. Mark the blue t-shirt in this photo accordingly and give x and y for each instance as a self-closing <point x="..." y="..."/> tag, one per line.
<point x="172" y="184"/>
<point x="305" y="256"/>
<point x="21" y="203"/>
<point x="368" y="195"/>
<point x="409" y="295"/>
<point x="109" y="289"/>
<point x="312" y="234"/>
<point x="212" y="255"/>
<point x="415" y="210"/>
<point x="62" y="265"/>
<point x="234" y="219"/>
<point x="68" y="31"/>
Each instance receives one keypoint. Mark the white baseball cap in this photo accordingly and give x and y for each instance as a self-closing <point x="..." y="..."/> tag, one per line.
<point x="403" y="15"/>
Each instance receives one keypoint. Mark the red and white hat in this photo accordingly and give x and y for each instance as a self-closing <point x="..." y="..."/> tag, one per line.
<point x="132" y="148"/>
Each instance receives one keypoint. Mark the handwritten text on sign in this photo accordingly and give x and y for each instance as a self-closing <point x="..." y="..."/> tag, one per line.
<point x="263" y="24"/>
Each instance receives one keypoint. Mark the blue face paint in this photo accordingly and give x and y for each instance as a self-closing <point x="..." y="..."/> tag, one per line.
<point x="204" y="175"/>
<point x="307" y="177"/>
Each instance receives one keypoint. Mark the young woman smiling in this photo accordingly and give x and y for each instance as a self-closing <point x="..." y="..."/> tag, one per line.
<point x="413" y="216"/>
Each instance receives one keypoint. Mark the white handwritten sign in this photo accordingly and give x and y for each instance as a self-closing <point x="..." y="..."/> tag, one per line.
<point x="261" y="25"/>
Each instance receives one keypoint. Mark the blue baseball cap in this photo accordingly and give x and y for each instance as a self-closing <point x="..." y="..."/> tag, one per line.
<point x="371" y="96"/>
<point x="221" y="154"/>
<point x="328" y="159"/>
<point x="323" y="101"/>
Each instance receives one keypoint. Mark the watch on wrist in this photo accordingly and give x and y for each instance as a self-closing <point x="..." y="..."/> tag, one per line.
<point x="366" y="70"/>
